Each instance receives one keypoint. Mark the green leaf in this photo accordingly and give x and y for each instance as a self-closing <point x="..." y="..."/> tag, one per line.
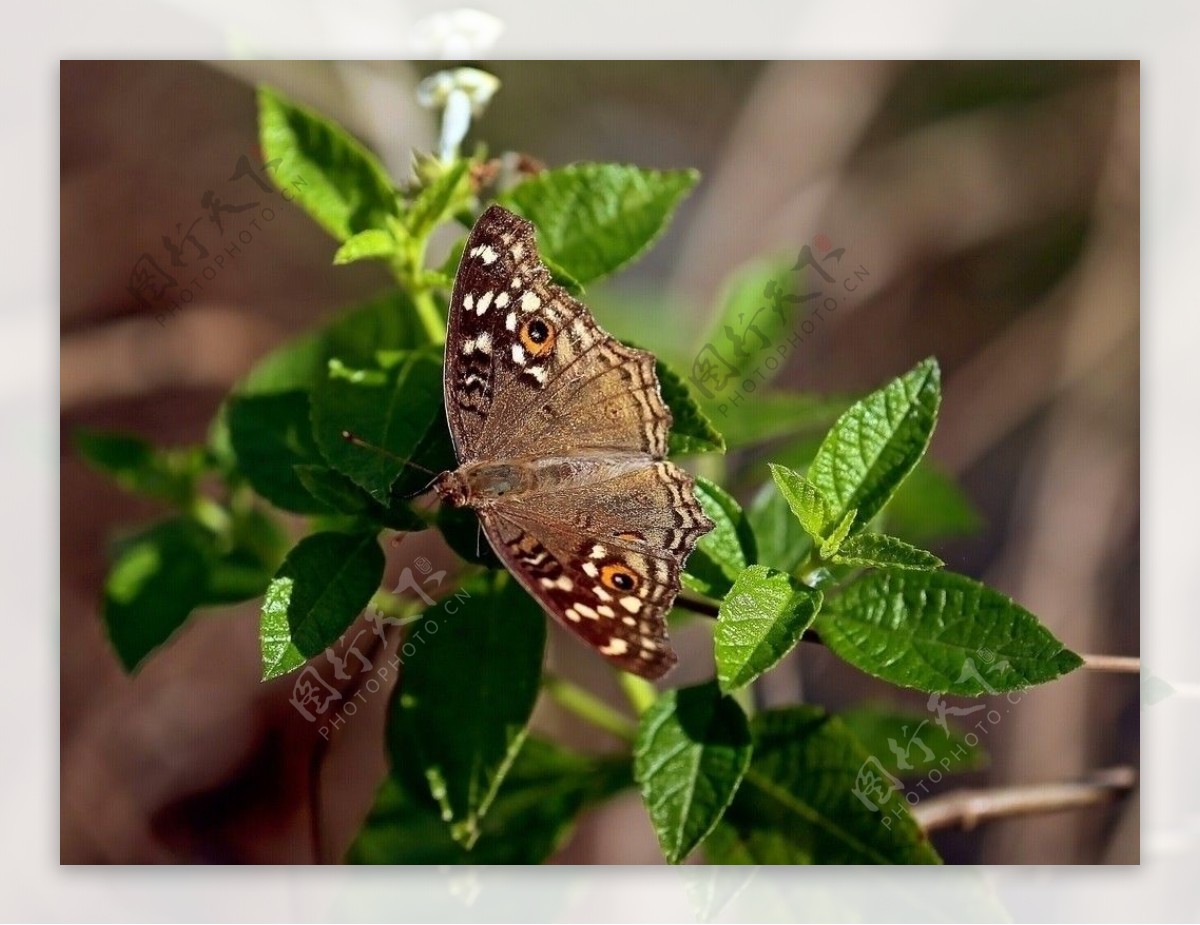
<point x="875" y="444"/>
<point x="910" y="744"/>
<point x="158" y="578"/>
<point x="720" y="555"/>
<point x="802" y="801"/>
<point x="322" y="586"/>
<point x="691" y="430"/>
<point x="335" y="178"/>
<point x="766" y="416"/>
<point x="831" y="545"/>
<point x="390" y="408"/>
<point x="444" y="195"/>
<point x="760" y="621"/>
<point x="782" y="542"/>
<point x="532" y="816"/>
<point x="271" y="436"/>
<point x="941" y="632"/>
<point x="354" y="337"/>
<point x="754" y="319"/>
<point x="929" y="506"/>
<point x="468" y="692"/>
<point x="876" y="550"/>
<point x="243" y="571"/>
<point x="805" y="500"/>
<point x="693" y="746"/>
<point x="594" y="218"/>
<point x="138" y="466"/>
<point x="338" y="492"/>
<point x="372" y="244"/>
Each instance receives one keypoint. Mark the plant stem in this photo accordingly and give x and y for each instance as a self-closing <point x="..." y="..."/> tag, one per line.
<point x="427" y="311"/>
<point x="641" y="693"/>
<point x="965" y="809"/>
<point x="588" y="707"/>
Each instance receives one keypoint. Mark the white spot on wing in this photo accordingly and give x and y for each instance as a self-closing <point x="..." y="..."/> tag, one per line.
<point x="631" y="603"/>
<point x="511" y="321"/>
<point x="598" y="551"/>
<point x="484" y="302"/>
<point x="586" y="611"/>
<point x="564" y="583"/>
<point x="615" y="647"/>
<point x="469" y="301"/>
<point x="502" y="300"/>
<point x="530" y="301"/>
<point x="590" y="569"/>
<point x="518" y="354"/>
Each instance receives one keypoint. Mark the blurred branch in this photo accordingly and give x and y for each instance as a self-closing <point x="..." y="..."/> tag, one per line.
<point x="1121" y="664"/>
<point x="966" y="809"/>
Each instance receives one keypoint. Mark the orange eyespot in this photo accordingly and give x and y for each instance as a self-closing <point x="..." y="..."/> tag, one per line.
<point x="618" y="577"/>
<point x="537" y="337"/>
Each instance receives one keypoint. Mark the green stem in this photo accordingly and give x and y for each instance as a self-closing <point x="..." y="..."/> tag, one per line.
<point x="588" y="707"/>
<point x="390" y="605"/>
<point x="431" y="318"/>
<point x="641" y="693"/>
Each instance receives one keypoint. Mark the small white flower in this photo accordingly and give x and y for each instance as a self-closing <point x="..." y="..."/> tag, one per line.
<point x="460" y="93"/>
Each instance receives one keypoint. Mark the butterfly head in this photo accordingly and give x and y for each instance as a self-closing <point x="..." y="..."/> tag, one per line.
<point x="453" y="489"/>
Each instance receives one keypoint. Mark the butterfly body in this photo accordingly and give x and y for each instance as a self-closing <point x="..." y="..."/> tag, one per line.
<point x="561" y="435"/>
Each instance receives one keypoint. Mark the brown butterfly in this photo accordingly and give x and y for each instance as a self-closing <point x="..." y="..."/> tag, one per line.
<point x="560" y="433"/>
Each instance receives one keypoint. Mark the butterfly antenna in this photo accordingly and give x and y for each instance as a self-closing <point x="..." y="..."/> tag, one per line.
<point x="355" y="440"/>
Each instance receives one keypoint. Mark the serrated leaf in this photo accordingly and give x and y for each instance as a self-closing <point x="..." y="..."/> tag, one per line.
<point x="767" y="416"/>
<point x="877" y="550"/>
<point x="799" y="802"/>
<point x="691" y="430"/>
<point x="321" y="587"/>
<point x="271" y="434"/>
<point x="532" y="816"/>
<point x="371" y="244"/>
<point x="390" y="408"/>
<point x="334" y="177"/>
<point x="929" y="506"/>
<point x="140" y="467"/>
<point x="941" y="632"/>
<point x="838" y="535"/>
<point x="721" y="554"/>
<point x="804" y="498"/>
<point x="157" y="579"/>
<point x="877" y="442"/>
<point x="782" y="542"/>
<point x="760" y="621"/>
<point x="911" y="744"/>
<point x="469" y="688"/>
<point x="692" y="748"/>
<point x="593" y="219"/>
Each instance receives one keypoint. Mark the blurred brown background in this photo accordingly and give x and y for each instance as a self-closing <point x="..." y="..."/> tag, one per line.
<point x="996" y="205"/>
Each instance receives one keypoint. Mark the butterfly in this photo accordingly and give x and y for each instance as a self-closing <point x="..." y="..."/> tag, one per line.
<point x="560" y="432"/>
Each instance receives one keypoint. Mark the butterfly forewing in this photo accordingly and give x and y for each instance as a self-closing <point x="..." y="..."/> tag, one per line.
<point x="530" y="376"/>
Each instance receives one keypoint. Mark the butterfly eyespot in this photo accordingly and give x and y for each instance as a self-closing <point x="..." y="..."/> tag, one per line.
<point x="618" y="577"/>
<point x="537" y="337"/>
